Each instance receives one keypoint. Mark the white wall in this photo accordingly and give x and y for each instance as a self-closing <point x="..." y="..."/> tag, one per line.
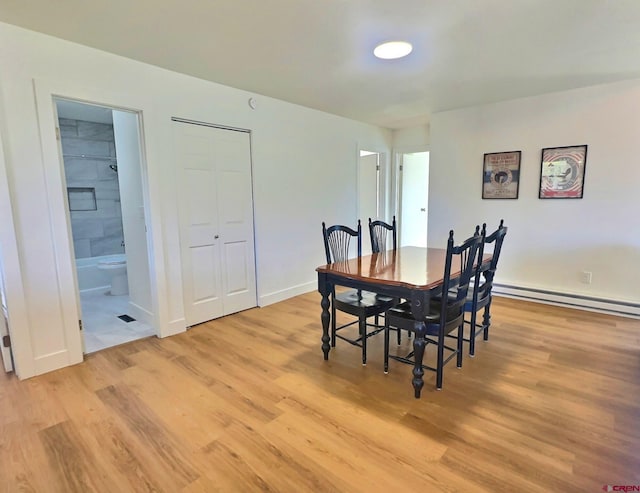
<point x="304" y="172"/>
<point x="412" y="138"/>
<point x="125" y="130"/>
<point x="550" y="242"/>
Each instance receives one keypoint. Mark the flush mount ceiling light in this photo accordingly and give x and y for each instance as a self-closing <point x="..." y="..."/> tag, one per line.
<point x="392" y="49"/>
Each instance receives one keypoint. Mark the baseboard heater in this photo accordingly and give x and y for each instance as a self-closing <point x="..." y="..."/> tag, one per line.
<point x="614" y="307"/>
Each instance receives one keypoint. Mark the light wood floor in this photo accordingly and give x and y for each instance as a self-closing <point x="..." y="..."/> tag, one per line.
<point x="551" y="403"/>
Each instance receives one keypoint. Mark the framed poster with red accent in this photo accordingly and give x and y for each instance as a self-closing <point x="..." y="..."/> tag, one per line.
<point x="562" y="172"/>
<point x="501" y="175"/>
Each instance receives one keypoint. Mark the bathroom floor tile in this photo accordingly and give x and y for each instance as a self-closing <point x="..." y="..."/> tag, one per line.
<point x="101" y="326"/>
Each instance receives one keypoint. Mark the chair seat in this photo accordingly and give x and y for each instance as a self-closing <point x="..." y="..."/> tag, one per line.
<point x="358" y="302"/>
<point x="480" y="303"/>
<point x="431" y="319"/>
<point x="468" y="303"/>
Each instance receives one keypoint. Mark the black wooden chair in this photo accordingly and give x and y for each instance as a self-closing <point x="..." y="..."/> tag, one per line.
<point x="378" y="231"/>
<point x="356" y="302"/>
<point x="479" y="296"/>
<point x="443" y="317"/>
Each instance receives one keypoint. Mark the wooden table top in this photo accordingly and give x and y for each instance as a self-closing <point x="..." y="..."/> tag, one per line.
<point x="415" y="268"/>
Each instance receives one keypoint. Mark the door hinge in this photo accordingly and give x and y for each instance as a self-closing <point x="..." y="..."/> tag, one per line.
<point x="57" y="133"/>
<point x="80" y="324"/>
<point x="401" y="167"/>
<point x="377" y="167"/>
<point x="6" y="341"/>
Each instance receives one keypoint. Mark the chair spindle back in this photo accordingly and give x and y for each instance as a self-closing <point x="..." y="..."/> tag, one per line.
<point x="378" y="230"/>
<point x="337" y="241"/>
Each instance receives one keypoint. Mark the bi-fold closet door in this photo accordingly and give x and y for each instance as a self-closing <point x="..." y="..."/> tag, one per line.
<point x="215" y="204"/>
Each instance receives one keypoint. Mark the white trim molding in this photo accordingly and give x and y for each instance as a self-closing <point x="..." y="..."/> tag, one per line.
<point x="285" y="294"/>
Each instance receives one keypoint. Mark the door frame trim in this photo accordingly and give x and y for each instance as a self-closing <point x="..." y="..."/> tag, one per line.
<point x="46" y="91"/>
<point x="384" y="185"/>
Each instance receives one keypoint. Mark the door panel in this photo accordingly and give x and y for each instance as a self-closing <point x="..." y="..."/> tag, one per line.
<point x="232" y="198"/>
<point x="205" y="286"/>
<point x="216" y="221"/>
<point x="237" y="279"/>
<point x="236" y="220"/>
<point x="414" y="199"/>
<point x="198" y="213"/>
<point x="201" y="234"/>
<point x="201" y="203"/>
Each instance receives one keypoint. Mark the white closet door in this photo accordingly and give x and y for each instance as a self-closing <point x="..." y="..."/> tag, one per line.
<point x="216" y="221"/>
<point x="233" y="171"/>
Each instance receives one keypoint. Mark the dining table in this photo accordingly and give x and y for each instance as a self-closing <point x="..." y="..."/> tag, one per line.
<point x="414" y="274"/>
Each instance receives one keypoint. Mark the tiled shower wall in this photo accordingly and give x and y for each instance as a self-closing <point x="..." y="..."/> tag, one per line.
<point x="95" y="232"/>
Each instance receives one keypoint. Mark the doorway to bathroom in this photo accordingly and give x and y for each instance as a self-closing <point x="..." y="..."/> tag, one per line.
<point x="371" y="185"/>
<point x="103" y="179"/>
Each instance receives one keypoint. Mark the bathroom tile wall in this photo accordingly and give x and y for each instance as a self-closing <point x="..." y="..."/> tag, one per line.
<point x="95" y="232"/>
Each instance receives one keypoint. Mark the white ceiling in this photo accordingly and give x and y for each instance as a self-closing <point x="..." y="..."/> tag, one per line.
<point x="318" y="53"/>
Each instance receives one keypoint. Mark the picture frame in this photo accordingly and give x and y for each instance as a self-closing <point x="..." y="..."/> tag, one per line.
<point x="562" y="171"/>
<point x="501" y="175"/>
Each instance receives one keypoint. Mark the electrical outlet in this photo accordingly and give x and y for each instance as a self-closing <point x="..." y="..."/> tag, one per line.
<point x="585" y="277"/>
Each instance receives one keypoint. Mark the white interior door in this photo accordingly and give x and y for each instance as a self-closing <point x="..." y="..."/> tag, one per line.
<point x="414" y="197"/>
<point x="233" y="169"/>
<point x="368" y="187"/>
<point x="368" y="194"/>
<point x="216" y="221"/>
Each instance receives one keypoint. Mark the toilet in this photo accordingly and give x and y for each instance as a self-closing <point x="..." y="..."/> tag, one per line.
<point x="116" y="267"/>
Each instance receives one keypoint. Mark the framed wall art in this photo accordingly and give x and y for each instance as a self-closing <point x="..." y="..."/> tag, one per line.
<point x="562" y="172"/>
<point x="501" y="175"/>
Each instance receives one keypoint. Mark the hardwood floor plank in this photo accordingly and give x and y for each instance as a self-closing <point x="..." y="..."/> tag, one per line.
<point x="71" y="460"/>
<point x="11" y="393"/>
<point x="499" y="474"/>
<point x="121" y="460"/>
<point x="280" y="466"/>
<point x="358" y="468"/>
<point x="193" y="414"/>
<point x="35" y="416"/>
<point x="24" y="465"/>
<point x="144" y="424"/>
<point x="247" y="403"/>
<point x="200" y="412"/>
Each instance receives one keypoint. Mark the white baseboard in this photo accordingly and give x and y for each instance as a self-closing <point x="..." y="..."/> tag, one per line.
<point x="141" y="314"/>
<point x="285" y="294"/>
<point x="104" y="289"/>
<point x="613" y="307"/>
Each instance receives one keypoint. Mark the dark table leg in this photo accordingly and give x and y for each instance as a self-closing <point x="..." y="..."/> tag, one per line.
<point x="419" y="344"/>
<point x="419" y="301"/>
<point x="325" y="316"/>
